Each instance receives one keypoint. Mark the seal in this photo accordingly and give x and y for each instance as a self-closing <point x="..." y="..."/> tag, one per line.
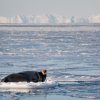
<point x="26" y="76"/>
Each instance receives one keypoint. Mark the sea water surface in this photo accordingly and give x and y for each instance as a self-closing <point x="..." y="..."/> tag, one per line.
<point x="71" y="57"/>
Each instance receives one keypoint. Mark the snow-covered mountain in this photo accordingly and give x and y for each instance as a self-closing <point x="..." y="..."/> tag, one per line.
<point x="48" y="19"/>
<point x="95" y="19"/>
<point x="43" y="19"/>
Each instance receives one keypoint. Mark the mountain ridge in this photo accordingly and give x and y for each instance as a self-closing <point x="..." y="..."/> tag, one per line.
<point x="49" y="19"/>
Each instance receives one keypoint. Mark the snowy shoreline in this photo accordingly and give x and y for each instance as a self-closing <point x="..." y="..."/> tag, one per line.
<point x="50" y="27"/>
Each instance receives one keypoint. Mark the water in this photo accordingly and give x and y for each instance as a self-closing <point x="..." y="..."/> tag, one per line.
<point x="72" y="59"/>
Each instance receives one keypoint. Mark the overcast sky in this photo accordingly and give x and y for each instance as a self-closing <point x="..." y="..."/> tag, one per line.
<point x="81" y="8"/>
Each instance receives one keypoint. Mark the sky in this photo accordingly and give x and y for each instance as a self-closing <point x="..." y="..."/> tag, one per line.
<point x="77" y="8"/>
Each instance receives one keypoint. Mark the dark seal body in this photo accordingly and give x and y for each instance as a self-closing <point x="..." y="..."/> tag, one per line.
<point x="26" y="76"/>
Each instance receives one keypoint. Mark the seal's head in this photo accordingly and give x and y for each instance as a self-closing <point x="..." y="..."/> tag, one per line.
<point x="44" y="71"/>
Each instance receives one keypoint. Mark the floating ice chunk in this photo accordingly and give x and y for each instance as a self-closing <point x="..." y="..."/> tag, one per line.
<point x="26" y="87"/>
